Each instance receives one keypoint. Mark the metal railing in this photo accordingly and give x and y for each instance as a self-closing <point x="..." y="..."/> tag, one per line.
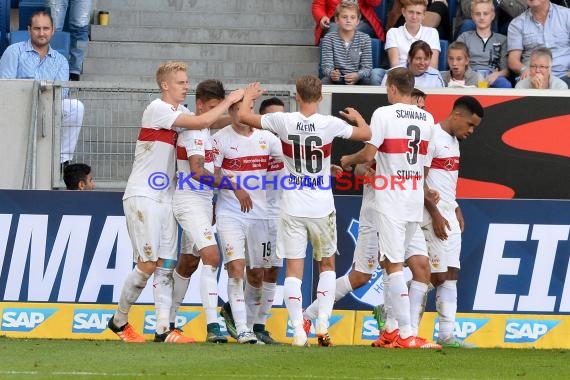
<point x="111" y="123"/>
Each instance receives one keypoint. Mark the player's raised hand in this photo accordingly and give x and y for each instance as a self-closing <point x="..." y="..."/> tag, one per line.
<point x="245" y="202"/>
<point x="253" y="90"/>
<point x="235" y="96"/>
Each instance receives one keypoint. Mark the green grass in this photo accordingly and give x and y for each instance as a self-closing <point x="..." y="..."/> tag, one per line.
<point x="48" y="359"/>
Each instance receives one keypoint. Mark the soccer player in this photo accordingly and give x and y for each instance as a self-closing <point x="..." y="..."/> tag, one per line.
<point x="308" y="211"/>
<point x="192" y="206"/>
<point x="243" y="153"/>
<point x="147" y="200"/>
<point x="400" y="136"/>
<point x="444" y="219"/>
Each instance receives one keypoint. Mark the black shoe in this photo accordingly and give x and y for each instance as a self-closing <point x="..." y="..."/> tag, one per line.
<point x="226" y="313"/>
<point x="74" y="77"/>
<point x="160" y="337"/>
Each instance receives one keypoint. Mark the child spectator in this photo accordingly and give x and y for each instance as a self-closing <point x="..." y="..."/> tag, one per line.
<point x="418" y="63"/>
<point x="78" y="177"/>
<point x="347" y="53"/>
<point x="488" y="50"/>
<point x="399" y="39"/>
<point x="459" y="73"/>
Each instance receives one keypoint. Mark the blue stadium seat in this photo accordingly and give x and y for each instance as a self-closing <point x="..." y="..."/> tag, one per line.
<point x="442" y="62"/>
<point x="4" y="23"/>
<point x="60" y="40"/>
<point x="27" y="8"/>
<point x="452" y="8"/>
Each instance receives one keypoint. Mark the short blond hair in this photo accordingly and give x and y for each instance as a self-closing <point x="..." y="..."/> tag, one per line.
<point x="309" y="88"/>
<point x="477" y="2"/>
<point x="347" y="5"/>
<point x="167" y="68"/>
<point x="407" y="3"/>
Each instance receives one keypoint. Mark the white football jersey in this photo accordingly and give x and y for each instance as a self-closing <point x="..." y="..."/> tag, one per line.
<point x="276" y="173"/>
<point x="244" y="160"/>
<point x="191" y="143"/>
<point x="401" y="133"/>
<point x="443" y="161"/>
<point x="154" y="173"/>
<point x="307" y="143"/>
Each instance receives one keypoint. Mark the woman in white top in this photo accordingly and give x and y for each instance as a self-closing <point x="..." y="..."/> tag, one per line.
<point x="399" y="40"/>
<point x="419" y="58"/>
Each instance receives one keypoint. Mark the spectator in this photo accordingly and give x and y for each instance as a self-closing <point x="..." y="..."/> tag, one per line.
<point x="540" y="75"/>
<point x="505" y="12"/>
<point x="418" y="63"/>
<point x="323" y="10"/>
<point x="347" y="53"/>
<point x="543" y="24"/>
<point x="79" y="15"/>
<point x="436" y="16"/>
<point x="35" y="59"/>
<point x="488" y="50"/>
<point x="399" y="40"/>
<point x="78" y="177"/>
<point x="459" y="73"/>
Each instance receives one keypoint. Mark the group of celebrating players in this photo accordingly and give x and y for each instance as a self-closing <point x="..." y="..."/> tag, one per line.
<point x="260" y="227"/>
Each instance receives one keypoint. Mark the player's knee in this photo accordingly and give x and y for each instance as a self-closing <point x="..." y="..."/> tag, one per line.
<point x="358" y="279"/>
<point x="255" y="277"/>
<point x="187" y="265"/>
<point x="271" y="274"/>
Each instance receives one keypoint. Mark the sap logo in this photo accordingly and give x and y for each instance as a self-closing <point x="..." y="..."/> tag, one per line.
<point x="182" y="318"/>
<point x="332" y="321"/>
<point x="526" y="330"/>
<point x="90" y="321"/>
<point x="369" y="328"/>
<point x="463" y="327"/>
<point x="15" y="319"/>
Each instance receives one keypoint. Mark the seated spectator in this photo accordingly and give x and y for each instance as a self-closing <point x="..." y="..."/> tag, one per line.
<point x="540" y="75"/>
<point x="347" y="53"/>
<point x="78" y="177"/>
<point x="488" y="50"/>
<point x="506" y="11"/>
<point x="436" y="16"/>
<point x="459" y="73"/>
<point x="399" y="40"/>
<point x="543" y="24"/>
<point x="324" y="10"/>
<point x="418" y="63"/>
<point x="419" y="98"/>
<point x="35" y="59"/>
<point x="79" y="14"/>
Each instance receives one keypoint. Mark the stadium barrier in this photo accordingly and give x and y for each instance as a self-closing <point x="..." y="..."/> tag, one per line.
<point x="64" y="257"/>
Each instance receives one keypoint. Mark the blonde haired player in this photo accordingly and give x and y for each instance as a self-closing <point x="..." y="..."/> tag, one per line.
<point x="308" y="211"/>
<point x="147" y="200"/>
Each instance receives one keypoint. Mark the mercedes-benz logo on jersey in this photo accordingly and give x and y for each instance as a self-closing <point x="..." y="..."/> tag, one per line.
<point x="233" y="164"/>
<point x="448" y="165"/>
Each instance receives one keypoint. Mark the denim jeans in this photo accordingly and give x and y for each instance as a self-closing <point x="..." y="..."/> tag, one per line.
<point x="79" y="16"/>
<point x="376" y="76"/>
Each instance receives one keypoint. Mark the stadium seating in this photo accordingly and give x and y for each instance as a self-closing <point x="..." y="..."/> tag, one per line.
<point x="60" y="40"/>
<point x="442" y="62"/>
<point x="382" y="12"/>
<point x="26" y="9"/>
<point x="4" y="23"/>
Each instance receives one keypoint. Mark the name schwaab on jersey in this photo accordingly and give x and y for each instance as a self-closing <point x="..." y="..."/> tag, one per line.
<point x="24" y="319"/>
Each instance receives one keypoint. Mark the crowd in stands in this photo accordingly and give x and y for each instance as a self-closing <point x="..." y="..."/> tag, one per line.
<point x="497" y="43"/>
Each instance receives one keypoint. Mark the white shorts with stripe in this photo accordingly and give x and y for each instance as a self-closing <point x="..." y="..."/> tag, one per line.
<point x="195" y="217"/>
<point x="444" y="253"/>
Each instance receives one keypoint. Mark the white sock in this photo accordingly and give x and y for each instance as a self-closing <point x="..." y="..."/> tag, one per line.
<point x="267" y="296"/>
<point x="400" y="302"/>
<point x="294" y="302"/>
<point x="209" y="292"/>
<point x="132" y="288"/>
<point x="343" y="287"/>
<point x="252" y="303"/>
<point x="162" y="289"/>
<point x="326" y="289"/>
<point x="446" y="305"/>
<point x="391" y="324"/>
<point x="237" y="302"/>
<point x="179" y="289"/>
<point x="417" y="293"/>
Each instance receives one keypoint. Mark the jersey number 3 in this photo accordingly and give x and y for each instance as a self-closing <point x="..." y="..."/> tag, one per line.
<point x="413" y="144"/>
<point x="307" y="150"/>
